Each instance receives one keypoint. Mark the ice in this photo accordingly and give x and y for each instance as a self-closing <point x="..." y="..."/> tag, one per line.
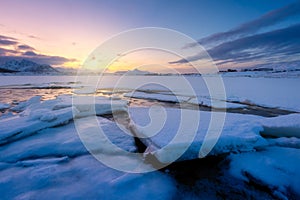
<point x="61" y="141"/>
<point x="169" y="97"/>
<point x="43" y="157"/>
<point x="22" y="105"/>
<point x="53" y="163"/>
<point x="157" y="96"/>
<point x="269" y="92"/>
<point x="240" y="133"/>
<point x="81" y="178"/>
<point x="21" y="126"/>
<point x="292" y="142"/>
<point x="215" y="103"/>
<point x="282" y="126"/>
<point x="276" y="168"/>
<point x="37" y="115"/>
<point x="37" y="80"/>
<point x="4" y="106"/>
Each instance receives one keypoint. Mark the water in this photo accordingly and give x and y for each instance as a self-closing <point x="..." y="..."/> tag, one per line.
<point x="14" y="89"/>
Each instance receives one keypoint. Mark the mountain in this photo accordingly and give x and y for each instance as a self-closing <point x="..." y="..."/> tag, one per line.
<point x="16" y="66"/>
<point x="135" y="72"/>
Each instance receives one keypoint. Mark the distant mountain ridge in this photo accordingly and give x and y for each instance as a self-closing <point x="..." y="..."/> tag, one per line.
<point x="16" y="66"/>
<point x="135" y="72"/>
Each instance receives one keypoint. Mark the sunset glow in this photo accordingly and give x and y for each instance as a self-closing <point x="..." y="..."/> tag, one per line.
<point x="64" y="33"/>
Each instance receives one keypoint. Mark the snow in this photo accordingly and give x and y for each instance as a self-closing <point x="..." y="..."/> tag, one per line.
<point x="269" y="92"/>
<point x="282" y="126"/>
<point x="276" y="168"/>
<point x="244" y="137"/>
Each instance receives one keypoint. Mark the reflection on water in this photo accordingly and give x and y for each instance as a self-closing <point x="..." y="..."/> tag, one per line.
<point x="17" y="95"/>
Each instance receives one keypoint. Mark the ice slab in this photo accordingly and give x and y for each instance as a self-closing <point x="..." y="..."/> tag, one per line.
<point x="62" y="141"/>
<point x="4" y="106"/>
<point x="240" y="133"/>
<point x="282" y="126"/>
<point x="37" y="115"/>
<point x="215" y="103"/>
<point x="169" y="97"/>
<point x="157" y="96"/>
<point x="53" y="163"/>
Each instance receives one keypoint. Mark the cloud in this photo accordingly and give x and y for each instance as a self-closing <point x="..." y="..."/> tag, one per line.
<point x="24" y="51"/>
<point x="277" y="43"/>
<point x="271" y="18"/>
<point x="34" y="37"/>
<point x="4" y="52"/>
<point x="6" y="41"/>
<point x="2" y="37"/>
<point x="29" y="53"/>
<point x="25" y="47"/>
<point x="50" y="60"/>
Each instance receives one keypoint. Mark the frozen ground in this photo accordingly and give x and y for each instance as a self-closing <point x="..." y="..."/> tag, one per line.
<point x="42" y="156"/>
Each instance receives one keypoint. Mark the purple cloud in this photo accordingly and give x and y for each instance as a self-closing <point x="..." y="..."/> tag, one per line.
<point x="278" y="43"/>
<point x="29" y="54"/>
<point x="252" y="27"/>
<point x="25" y="47"/>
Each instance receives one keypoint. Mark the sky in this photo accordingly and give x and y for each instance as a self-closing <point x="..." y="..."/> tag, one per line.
<point x="234" y="33"/>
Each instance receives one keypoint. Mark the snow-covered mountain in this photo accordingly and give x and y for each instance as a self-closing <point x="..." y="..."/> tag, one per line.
<point x="27" y="66"/>
<point x="135" y="72"/>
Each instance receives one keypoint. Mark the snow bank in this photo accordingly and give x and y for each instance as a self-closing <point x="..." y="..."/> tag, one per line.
<point x="276" y="168"/>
